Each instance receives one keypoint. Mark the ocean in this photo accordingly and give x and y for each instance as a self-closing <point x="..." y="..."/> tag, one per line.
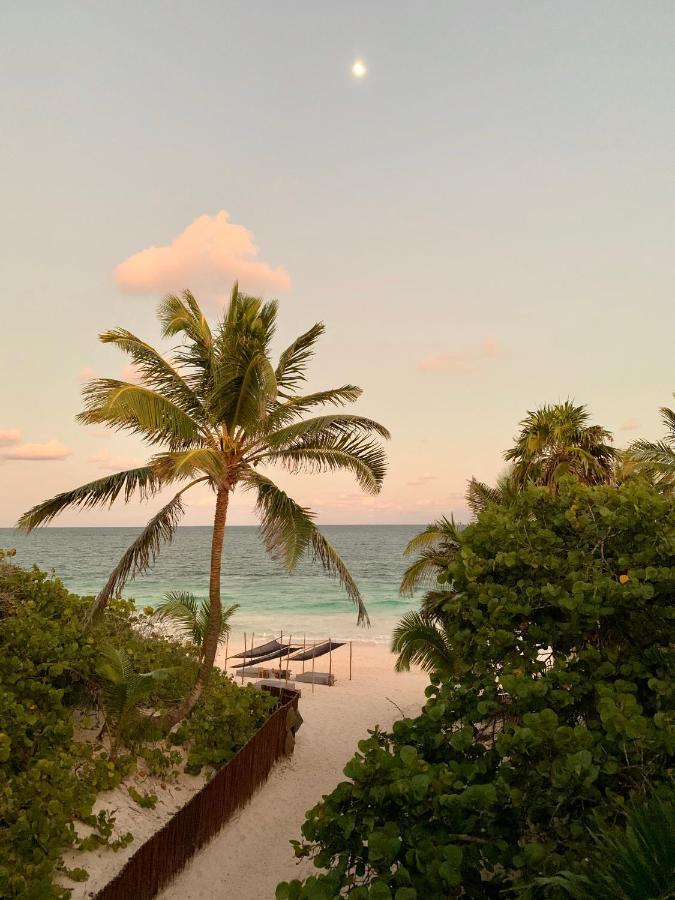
<point x="305" y="602"/>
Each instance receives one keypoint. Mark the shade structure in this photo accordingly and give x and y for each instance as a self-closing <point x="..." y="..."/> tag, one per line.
<point x="319" y="650"/>
<point x="260" y="650"/>
<point x="277" y="654"/>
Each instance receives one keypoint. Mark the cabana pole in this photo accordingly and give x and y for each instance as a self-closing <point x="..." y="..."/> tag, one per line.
<point x="288" y="657"/>
<point x="242" y="671"/>
<point x="227" y="644"/>
<point x="350" y="660"/>
<point x="313" y="658"/>
<point x="330" y="660"/>
<point x="304" y="647"/>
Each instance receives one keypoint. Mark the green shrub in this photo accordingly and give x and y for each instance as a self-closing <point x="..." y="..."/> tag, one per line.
<point x="48" y="676"/>
<point x="558" y="709"/>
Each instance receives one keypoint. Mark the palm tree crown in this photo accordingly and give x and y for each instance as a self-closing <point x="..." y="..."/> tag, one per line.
<point x="218" y="411"/>
<point x="557" y="440"/>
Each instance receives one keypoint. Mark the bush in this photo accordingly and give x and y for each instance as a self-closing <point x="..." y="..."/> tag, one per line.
<point x="48" y="677"/>
<point x="559" y="709"/>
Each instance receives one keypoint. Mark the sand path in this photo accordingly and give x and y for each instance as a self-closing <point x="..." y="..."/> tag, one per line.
<point x="252" y="854"/>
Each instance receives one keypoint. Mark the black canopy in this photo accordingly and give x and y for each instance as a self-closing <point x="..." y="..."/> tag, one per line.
<point x="276" y="654"/>
<point x="319" y="650"/>
<point x="260" y="650"/>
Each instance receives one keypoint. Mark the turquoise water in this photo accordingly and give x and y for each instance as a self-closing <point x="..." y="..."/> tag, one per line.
<point x="305" y="602"/>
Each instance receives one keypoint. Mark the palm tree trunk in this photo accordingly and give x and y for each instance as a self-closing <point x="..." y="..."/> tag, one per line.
<point x="215" y="612"/>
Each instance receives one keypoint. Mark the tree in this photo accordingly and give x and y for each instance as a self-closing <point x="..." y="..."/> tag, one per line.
<point x="220" y="409"/>
<point x="559" y="711"/>
<point x="658" y="457"/>
<point x="191" y="617"/>
<point x="557" y="440"/>
<point x="423" y="640"/>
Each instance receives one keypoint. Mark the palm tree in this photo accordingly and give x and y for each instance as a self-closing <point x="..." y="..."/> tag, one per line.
<point x="221" y="410"/>
<point x="420" y="637"/>
<point x="557" y="440"/>
<point x="123" y="690"/>
<point x="658" y="457"/>
<point x="190" y="616"/>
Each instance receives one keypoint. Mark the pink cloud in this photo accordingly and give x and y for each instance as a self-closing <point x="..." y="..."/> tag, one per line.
<point x="422" y="480"/>
<point x="130" y="373"/>
<point x="86" y="374"/>
<point x="9" y="436"/>
<point x="631" y="424"/>
<point x="206" y="258"/>
<point x="108" y="462"/>
<point x="49" y="450"/>
<point x="461" y="361"/>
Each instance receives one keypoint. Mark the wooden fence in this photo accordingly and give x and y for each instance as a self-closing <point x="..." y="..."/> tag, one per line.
<point x="162" y="856"/>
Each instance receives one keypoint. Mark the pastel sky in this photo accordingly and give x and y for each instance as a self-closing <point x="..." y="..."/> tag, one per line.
<point x="484" y="222"/>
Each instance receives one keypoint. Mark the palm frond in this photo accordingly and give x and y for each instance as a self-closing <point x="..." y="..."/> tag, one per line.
<point x="288" y="531"/>
<point x="324" y="427"/>
<point x="419" y="641"/>
<point x="175" y="465"/>
<point x="290" y="371"/>
<point x="443" y="530"/>
<point x="288" y="411"/>
<point x="157" y="372"/>
<point x="103" y="491"/>
<point x="479" y="495"/>
<point x="140" y="410"/>
<point x="364" y="458"/>
<point x="190" y="616"/>
<point x="144" y="550"/>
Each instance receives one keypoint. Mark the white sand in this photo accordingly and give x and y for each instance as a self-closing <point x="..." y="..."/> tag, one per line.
<point x="251" y="854"/>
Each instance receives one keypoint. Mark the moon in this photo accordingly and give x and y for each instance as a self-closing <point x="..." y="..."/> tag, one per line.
<point x="359" y="68"/>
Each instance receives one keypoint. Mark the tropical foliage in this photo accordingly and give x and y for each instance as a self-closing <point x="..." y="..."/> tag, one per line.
<point x="190" y="617"/>
<point x="53" y="677"/>
<point x="218" y="411"/>
<point x="633" y="863"/>
<point x="557" y="440"/>
<point x="658" y="457"/>
<point x="558" y="711"/>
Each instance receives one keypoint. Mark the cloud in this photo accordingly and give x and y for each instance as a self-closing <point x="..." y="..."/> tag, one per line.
<point x="86" y="374"/>
<point x="49" y="450"/>
<point x="462" y="361"/>
<point x="206" y="258"/>
<point x="9" y="436"/>
<point x="421" y="480"/>
<point x="631" y="424"/>
<point x="131" y="374"/>
<point x="108" y="462"/>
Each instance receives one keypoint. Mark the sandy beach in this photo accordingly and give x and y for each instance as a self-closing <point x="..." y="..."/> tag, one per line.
<point x="252" y="854"/>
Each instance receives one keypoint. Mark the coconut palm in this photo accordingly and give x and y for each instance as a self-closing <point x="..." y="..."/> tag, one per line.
<point x="190" y="617"/>
<point x="435" y="547"/>
<point x="557" y="440"/>
<point x="658" y="457"/>
<point x="220" y="410"/>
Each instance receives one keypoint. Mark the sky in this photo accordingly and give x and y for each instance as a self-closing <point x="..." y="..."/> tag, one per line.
<point x="484" y="222"/>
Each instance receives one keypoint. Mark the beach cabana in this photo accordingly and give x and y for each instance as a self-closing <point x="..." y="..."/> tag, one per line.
<point x="317" y="650"/>
<point x="277" y="653"/>
<point x="260" y="650"/>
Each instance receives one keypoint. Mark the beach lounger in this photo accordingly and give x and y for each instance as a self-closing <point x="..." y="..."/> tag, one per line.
<point x="326" y="678"/>
<point x="277" y="683"/>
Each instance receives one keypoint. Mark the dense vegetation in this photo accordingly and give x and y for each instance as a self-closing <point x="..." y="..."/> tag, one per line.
<point x="554" y="714"/>
<point x="223" y="413"/>
<point x="55" y="676"/>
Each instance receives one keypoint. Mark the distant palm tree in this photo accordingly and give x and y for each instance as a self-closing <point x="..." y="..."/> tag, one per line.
<point x="479" y="494"/>
<point x="435" y="546"/>
<point x="557" y="440"/>
<point x="222" y="410"/>
<point x="658" y="457"/>
<point x="190" y="617"/>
